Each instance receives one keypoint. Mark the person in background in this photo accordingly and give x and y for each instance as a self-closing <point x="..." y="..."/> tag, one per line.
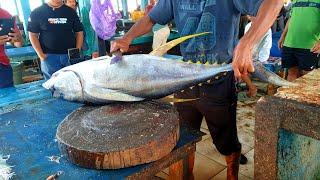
<point x="72" y="3"/>
<point x="279" y="24"/>
<point x="263" y="55"/>
<point x="300" y="40"/>
<point x="217" y="98"/>
<point x="53" y="29"/>
<point x="15" y="38"/>
<point x="242" y="24"/>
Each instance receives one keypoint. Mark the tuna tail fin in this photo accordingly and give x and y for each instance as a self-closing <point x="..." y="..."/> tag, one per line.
<point x="160" y="51"/>
<point x="264" y="74"/>
<point x="268" y="76"/>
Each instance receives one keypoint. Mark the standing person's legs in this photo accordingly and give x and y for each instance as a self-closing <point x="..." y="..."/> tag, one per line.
<point x="274" y="26"/>
<point x="189" y="116"/>
<point x="281" y="23"/>
<point x="6" y="76"/>
<point x="290" y="62"/>
<point x="50" y="65"/>
<point x="64" y="60"/>
<point x="293" y="73"/>
<point x="219" y="104"/>
<point x="188" y="113"/>
<point x="53" y="63"/>
<point x="307" y="61"/>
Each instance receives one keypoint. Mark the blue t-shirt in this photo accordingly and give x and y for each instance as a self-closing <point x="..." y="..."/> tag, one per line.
<point x="220" y="17"/>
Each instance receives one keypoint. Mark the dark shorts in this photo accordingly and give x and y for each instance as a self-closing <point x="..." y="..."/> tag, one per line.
<point x="218" y="104"/>
<point x="301" y="58"/>
<point x="6" y="76"/>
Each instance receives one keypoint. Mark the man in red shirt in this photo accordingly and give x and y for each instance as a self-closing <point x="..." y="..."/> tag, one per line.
<point x="15" y="38"/>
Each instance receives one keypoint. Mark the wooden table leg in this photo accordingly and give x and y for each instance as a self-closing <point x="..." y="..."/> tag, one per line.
<point x="176" y="171"/>
<point x="188" y="164"/>
<point x="182" y="169"/>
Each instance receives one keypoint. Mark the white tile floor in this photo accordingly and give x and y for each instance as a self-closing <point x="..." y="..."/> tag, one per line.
<point x="209" y="164"/>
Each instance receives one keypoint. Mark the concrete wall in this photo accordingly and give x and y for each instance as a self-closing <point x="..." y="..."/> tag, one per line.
<point x="298" y="157"/>
<point x="287" y="132"/>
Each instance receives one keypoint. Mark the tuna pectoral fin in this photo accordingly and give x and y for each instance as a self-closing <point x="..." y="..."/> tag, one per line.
<point x="103" y="94"/>
<point x="267" y="76"/>
<point x="170" y="99"/>
<point x="160" y="51"/>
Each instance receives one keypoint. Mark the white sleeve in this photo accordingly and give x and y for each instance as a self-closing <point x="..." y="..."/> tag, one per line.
<point x="265" y="50"/>
<point x="246" y="29"/>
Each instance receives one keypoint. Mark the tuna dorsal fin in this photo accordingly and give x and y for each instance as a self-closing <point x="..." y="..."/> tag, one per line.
<point x="160" y="51"/>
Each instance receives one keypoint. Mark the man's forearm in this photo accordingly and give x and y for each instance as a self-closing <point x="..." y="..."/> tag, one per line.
<point x="266" y="16"/>
<point x="79" y="39"/>
<point x="34" y="39"/>
<point x="284" y="33"/>
<point x="143" y="26"/>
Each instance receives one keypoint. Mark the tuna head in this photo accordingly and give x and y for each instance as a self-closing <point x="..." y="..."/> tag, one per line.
<point x="65" y="84"/>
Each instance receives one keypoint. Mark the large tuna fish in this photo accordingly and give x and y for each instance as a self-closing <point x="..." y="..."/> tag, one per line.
<point x="134" y="78"/>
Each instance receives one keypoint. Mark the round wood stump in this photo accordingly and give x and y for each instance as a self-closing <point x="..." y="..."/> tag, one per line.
<point x="118" y="135"/>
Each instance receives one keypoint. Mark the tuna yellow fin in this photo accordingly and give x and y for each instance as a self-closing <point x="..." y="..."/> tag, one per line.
<point x="170" y="99"/>
<point x="160" y="51"/>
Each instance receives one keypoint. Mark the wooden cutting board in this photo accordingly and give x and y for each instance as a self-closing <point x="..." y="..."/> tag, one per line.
<point x="118" y="135"/>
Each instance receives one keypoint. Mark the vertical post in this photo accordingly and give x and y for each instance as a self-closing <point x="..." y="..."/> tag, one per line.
<point x="144" y="4"/>
<point x="16" y="6"/>
<point x="90" y="37"/>
<point x="183" y="169"/>
<point x="176" y="171"/>
<point x="26" y="11"/>
<point x="118" y="5"/>
<point x="125" y="9"/>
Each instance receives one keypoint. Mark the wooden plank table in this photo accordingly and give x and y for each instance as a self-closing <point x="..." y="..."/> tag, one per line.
<point x="21" y="54"/>
<point x="287" y="144"/>
<point x="29" y="117"/>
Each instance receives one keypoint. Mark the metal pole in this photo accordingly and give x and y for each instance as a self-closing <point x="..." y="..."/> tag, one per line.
<point x="26" y="11"/>
<point x="16" y="6"/>
<point x="118" y="5"/>
<point x="125" y="9"/>
<point x="144" y="4"/>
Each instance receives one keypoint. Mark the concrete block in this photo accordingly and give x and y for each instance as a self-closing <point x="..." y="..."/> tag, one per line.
<point x="287" y="132"/>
